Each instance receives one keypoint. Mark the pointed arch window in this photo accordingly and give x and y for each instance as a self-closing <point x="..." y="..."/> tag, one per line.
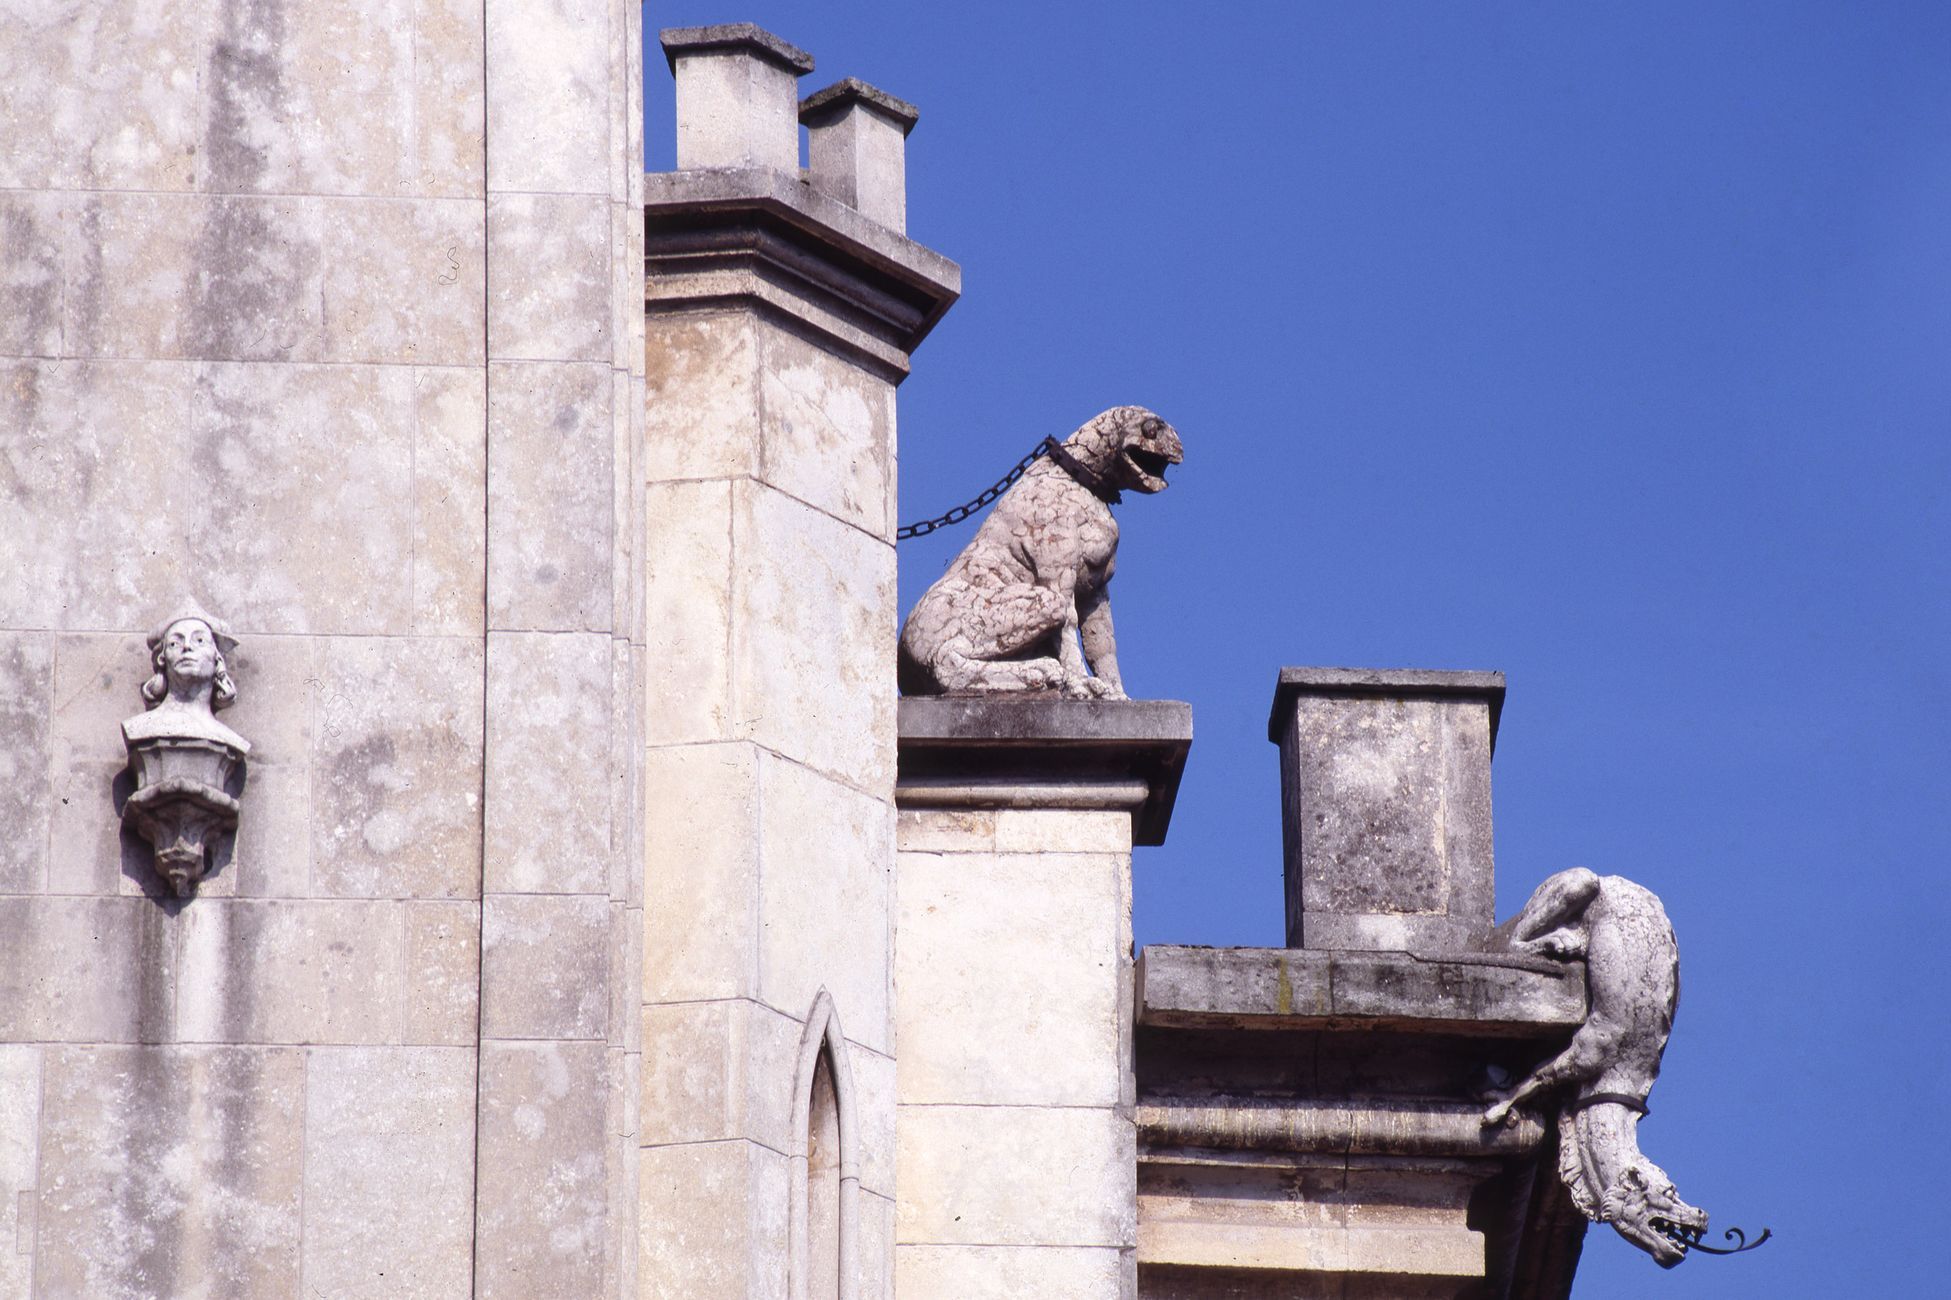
<point x="826" y="1171"/>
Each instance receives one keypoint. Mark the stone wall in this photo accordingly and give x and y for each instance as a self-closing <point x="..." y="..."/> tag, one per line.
<point x="325" y="314"/>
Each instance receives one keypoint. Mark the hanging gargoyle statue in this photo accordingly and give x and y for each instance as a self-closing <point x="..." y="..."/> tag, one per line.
<point x="1621" y="932"/>
<point x="1015" y="606"/>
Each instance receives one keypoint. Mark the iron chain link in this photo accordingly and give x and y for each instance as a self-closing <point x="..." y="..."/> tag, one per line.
<point x="962" y="512"/>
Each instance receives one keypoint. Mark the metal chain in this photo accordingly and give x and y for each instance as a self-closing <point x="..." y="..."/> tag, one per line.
<point x="962" y="512"/>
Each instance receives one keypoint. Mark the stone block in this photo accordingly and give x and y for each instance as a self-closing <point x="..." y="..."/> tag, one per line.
<point x="397" y="768"/>
<point x="1008" y="1272"/>
<point x="33" y="272"/>
<point x="712" y="1221"/>
<point x="207" y="277"/>
<point x="1062" y="830"/>
<point x="551" y="270"/>
<point x="945" y="830"/>
<point x="170" y="1171"/>
<point x="389" y="1172"/>
<point x="626" y="516"/>
<point x="20" y="1130"/>
<point x="450" y="501"/>
<point x="550" y="712"/>
<point x="545" y="967"/>
<point x="876" y="1094"/>
<point x="548" y="101"/>
<point x="443" y="972"/>
<point x="449" y="99"/>
<point x="86" y="970"/>
<point x="275" y="120"/>
<point x="812" y="638"/>
<point x="26" y="706"/>
<point x="1016" y="1176"/>
<point x="856" y="149"/>
<point x="277" y="971"/>
<point x="737" y="96"/>
<point x="875" y="1216"/>
<point x="543" y="1219"/>
<point x="1008" y="958"/>
<point x="719" y="1070"/>
<point x="701" y="381"/>
<point x="1385" y="782"/>
<point x="549" y="497"/>
<point x="687" y="623"/>
<point x="828" y="431"/>
<point x="78" y="112"/>
<point x="826" y="857"/>
<point x="270" y="854"/>
<point x="401" y="280"/>
<point x="701" y="837"/>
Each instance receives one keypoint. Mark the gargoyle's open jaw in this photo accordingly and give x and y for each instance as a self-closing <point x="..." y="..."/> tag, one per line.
<point x="1669" y="1242"/>
<point x="1148" y="467"/>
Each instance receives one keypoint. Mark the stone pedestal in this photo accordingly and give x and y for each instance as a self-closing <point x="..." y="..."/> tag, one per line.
<point x="1385" y="806"/>
<point x="1015" y="1143"/>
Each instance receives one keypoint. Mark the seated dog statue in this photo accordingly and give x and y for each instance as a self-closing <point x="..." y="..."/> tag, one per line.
<point x="1017" y="604"/>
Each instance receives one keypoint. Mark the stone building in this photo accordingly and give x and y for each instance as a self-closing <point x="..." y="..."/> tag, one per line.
<point x="597" y="921"/>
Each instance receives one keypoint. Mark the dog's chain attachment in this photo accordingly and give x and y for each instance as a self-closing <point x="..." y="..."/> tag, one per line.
<point x="962" y="512"/>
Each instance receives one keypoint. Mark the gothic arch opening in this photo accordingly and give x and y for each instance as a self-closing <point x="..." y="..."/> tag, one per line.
<point x="826" y="1174"/>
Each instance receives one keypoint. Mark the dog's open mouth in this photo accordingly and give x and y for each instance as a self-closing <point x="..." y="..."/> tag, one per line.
<point x="1149" y="463"/>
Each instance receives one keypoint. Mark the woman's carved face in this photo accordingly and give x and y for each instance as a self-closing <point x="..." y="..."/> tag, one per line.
<point x="189" y="652"/>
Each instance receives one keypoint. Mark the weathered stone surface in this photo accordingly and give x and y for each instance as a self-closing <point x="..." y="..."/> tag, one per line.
<point x="389" y="1163"/>
<point x="856" y="148"/>
<point x="548" y="101"/>
<point x="397" y="768"/>
<point x="1015" y="1175"/>
<point x="713" y="1071"/>
<point x="1284" y="1248"/>
<point x="1013" y="608"/>
<point x="737" y="95"/>
<point x="828" y="431"/>
<point x="26" y="703"/>
<point x="1008" y="1272"/>
<point x="443" y="972"/>
<point x="545" y="966"/>
<point x="701" y="848"/>
<point x="401" y="281"/>
<point x="550" y="277"/>
<point x="549" y="793"/>
<point x="549" y="497"/>
<point x="688" y="612"/>
<point x="170" y="1171"/>
<point x="542" y="1219"/>
<point x="826" y="855"/>
<point x="820" y="618"/>
<point x="1007" y="958"/>
<point x="20" y="1128"/>
<point x="86" y="970"/>
<point x="33" y="272"/>
<point x="1385" y="780"/>
<point x="701" y="412"/>
<point x="261" y="971"/>
<point x="1287" y="987"/>
<point x="449" y="501"/>
<point x="714" y="1219"/>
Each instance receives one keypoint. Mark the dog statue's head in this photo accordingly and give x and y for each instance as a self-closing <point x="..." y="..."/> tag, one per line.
<point x="1128" y="447"/>
<point x="1646" y="1210"/>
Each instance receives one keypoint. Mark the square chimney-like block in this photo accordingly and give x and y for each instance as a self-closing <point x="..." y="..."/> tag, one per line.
<point x="1385" y="806"/>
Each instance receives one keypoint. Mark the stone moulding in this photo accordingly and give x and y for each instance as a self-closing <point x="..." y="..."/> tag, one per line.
<point x="759" y="237"/>
<point x="188" y="767"/>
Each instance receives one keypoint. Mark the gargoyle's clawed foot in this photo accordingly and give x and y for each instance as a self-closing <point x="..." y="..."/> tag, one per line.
<point x="1498" y="1115"/>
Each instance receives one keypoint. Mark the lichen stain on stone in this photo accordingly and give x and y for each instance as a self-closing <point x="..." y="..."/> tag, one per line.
<point x="29" y="297"/>
<point x="1283" y="989"/>
<point x="246" y="94"/>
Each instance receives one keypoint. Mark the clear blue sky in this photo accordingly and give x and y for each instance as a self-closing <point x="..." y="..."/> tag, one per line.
<point x="1608" y="346"/>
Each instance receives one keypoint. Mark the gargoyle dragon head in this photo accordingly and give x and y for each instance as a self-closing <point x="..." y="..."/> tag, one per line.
<point x="1645" y="1209"/>
<point x="1129" y="448"/>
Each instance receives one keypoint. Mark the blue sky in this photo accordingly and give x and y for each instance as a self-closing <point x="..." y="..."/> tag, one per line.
<point x="1609" y="347"/>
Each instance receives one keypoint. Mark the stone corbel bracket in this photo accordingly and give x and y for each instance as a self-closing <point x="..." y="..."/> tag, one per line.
<point x="740" y="222"/>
